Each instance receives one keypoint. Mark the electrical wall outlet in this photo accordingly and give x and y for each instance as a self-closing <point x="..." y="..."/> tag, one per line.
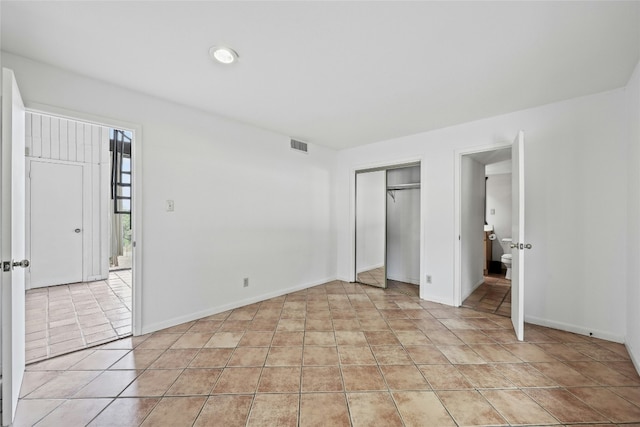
<point x="428" y="278"/>
<point x="246" y="282"/>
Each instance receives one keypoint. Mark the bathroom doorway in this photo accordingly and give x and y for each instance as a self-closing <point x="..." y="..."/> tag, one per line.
<point x="485" y="231"/>
<point x="387" y="238"/>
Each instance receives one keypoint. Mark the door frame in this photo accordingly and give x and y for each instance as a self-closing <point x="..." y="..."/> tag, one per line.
<point x="372" y="167"/>
<point x="136" y="193"/>
<point x="29" y="161"/>
<point x="457" y="213"/>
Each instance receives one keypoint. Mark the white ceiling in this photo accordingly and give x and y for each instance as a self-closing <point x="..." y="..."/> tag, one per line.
<point x="339" y="74"/>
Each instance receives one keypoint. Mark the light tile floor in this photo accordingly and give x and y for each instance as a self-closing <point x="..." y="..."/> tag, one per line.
<point x="338" y="354"/>
<point x="376" y="277"/>
<point x="65" y="318"/>
<point x="404" y="288"/>
<point x="493" y="296"/>
<point x="373" y="277"/>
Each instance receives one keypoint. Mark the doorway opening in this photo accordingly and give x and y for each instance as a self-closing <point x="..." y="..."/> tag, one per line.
<point x="387" y="228"/>
<point x="120" y="245"/>
<point x="485" y="231"/>
<point x="80" y="281"/>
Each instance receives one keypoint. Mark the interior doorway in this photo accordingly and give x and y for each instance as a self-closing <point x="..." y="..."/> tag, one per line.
<point x="387" y="224"/>
<point x="120" y="245"/>
<point x="77" y="298"/>
<point x="485" y="230"/>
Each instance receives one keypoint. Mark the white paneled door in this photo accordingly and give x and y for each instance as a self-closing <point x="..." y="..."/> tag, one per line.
<point x="56" y="227"/>
<point x="12" y="245"/>
<point x="519" y="245"/>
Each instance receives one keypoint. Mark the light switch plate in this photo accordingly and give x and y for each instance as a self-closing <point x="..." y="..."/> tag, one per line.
<point x="170" y="206"/>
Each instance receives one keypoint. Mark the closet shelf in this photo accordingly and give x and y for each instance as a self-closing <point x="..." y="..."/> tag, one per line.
<point x="403" y="186"/>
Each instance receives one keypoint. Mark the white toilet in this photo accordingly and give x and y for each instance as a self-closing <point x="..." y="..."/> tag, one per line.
<point x="506" y="257"/>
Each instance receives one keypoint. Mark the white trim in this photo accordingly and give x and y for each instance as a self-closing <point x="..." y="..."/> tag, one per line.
<point x="404" y="279"/>
<point x="457" y="213"/>
<point x="436" y="299"/>
<point x="630" y="350"/>
<point x="86" y="190"/>
<point x="473" y="288"/>
<point x="352" y="227"/>
<point x="581" y="330"/>
<point x="222" y="308"/>
<point x="136" y="193"/>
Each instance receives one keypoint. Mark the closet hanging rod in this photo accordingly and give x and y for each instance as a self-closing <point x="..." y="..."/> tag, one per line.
<point x="403" y="186"/>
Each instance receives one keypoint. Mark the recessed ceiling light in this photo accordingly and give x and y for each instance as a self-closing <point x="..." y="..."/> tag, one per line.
<point x="223" y="55"/>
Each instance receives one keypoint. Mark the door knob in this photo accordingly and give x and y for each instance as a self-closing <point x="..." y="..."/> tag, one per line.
<point x="513" y="245"/>
<point x="528" y="246"/>
<point x="10" y="265"/>
<point x="24" y="263"/>
<point x="77" y="230"/>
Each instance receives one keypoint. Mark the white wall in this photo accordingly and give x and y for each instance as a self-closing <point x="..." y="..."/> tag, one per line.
<point x="499" y="199"/>
<point x="246" y="205"/>
<point x="472" y="225"/>
<point x="633" y="202"/>
<point x="370" y="208"/>
<point x="576" y="209"/>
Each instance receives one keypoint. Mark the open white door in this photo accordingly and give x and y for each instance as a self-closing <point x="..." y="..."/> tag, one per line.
<point x="12" y="250"/>
<point x="517" y="229"/>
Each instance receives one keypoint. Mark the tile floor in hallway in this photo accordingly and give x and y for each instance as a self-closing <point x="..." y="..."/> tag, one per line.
<point x="65" y="318"/>
<point x="493" y="296"/>
<point x="338" y="354"/>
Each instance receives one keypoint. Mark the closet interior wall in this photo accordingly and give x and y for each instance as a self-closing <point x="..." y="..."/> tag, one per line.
<point x="403" y="224"/>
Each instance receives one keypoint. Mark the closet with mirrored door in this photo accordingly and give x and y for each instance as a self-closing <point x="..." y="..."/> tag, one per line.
<point x="387" y="238"/>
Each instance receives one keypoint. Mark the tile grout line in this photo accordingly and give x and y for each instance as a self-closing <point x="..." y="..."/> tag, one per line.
<point x="392" y="331"/>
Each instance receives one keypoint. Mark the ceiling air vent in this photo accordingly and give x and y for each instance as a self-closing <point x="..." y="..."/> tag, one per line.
<point x="299" y="145"/>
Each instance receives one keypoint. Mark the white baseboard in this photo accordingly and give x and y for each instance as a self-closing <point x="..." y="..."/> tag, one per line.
<point x="146" y="329"/>
<point x="473" y="288"/>
<point x="634" y="358"/>
<point x="575" y="329"/>
<point x="413" y="281"/>
<point x="438" y="300"/>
